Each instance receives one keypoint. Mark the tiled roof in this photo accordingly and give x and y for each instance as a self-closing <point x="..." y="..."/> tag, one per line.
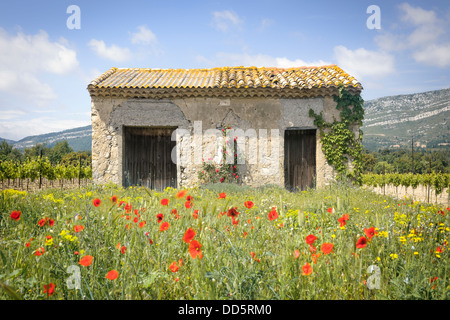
<point x="227" y="81"/>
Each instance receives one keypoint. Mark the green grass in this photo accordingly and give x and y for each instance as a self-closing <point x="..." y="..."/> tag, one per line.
<point x="227" y="270"/>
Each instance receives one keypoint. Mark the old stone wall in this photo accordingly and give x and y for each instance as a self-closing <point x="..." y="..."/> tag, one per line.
<point x="109" y="116"/>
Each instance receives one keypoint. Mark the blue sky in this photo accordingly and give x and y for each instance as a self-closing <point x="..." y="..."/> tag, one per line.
<point x="45" y="66"/>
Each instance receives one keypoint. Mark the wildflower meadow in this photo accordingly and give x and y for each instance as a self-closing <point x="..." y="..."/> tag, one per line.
<point x="221" y="242"/>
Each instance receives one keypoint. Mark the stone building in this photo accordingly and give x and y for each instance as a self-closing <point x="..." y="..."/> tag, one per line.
<point x="156" y="127"/>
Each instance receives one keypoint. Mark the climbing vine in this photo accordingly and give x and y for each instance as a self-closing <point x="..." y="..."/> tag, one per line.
<point x="213" y="172"/>
<point x="339" y="143"/>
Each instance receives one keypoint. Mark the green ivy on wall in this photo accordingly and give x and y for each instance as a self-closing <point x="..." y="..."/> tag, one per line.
<point x="339" y="143"/>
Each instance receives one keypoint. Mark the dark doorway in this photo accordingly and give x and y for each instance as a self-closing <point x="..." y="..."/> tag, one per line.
<point x="299" y="159"/>
<point x="147" y="158"/>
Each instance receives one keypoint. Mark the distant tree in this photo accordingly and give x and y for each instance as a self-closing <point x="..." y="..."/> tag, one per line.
<point x="369" y="162"/>
<point x="59" y="150"/>
<point x="35" y="151"/>
<point x="5" y="150"/>
<point x="73" y="159"/>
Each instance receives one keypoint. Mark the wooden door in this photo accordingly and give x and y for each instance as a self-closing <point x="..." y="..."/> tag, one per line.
<point x="299" y="159"/>
<point x="147" y="158"/>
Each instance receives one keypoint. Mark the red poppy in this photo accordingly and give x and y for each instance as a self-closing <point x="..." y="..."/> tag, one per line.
<point x="142" y="224"/>
<point x="159" y="217"/>
<point x="189" y="235"/>
<point x="312" y="249"/>
<point x="50" y="289"/>
<point x="164" y="226"/>
<point x="136" y="212"/>
<point x="42" y="222"/>
<point x="330" y="210"/>
<point x="123" y="250"/>
<point x="180" y="262"/>
<point x="235" y="222"/>
<point x="180" y="194"/>
<point x="15" y="215"/>
<point x="327" y="248"/>
<point x="439" y="249"/>
<point x="188" y="204"/>
<point x="173" y="267"/>
<point x="273" y="214"/>
<point x="342" y="220"/>
<point x="165" y="202"/>
<point x="248" y="204"/>
<point x="86" y="261"/>
<point x="310" y="239"/>
<point x="296" y="253"/>
<point x="78" y="228"/>
<point x="113" y="274"/>
<point x="113" y="199"/>
<point x="136" y="219"/>
<point x="96" y="202"/>
<point x="245" y="234"/>
<point x="51" y="222"/>
<point x="362" y="243"/>
<point x="307" y="269"/>
<point x="195" y="249"/>
<point x="189" y="198"/>
<point x="233" y="212"/>
<point x="39" y="252"/>
<point x="128" y="207"/>
<point x="370" y="233"/>
<point x="27" y="244"/>
<point x="222" y="195"/>
<point x="174" y="211"/>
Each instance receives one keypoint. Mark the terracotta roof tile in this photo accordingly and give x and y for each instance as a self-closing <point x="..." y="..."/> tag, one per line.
<point x="232" y="80"/>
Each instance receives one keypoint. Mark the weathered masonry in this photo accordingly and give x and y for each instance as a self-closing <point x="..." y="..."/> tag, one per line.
<point x="145" y="121"/>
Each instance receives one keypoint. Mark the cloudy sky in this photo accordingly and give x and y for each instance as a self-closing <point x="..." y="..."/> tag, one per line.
<point x="48" y="55"/>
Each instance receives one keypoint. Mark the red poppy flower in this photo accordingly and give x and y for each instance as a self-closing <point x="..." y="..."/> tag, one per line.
<point x="189" y="235"/>
<point x="113" y="199"/>
<point x="50" y="289"/>
<point x="327" y="248"/>
<point x="233" y="212"/>
<point x="142" y="224"/>
<point x="164" y="226"/>
<point x="15" y="215"/>
<point x="248" y="204"/>
<point x="330" y="210"/>
<point x="222" y="195"/>
<point x="174" y="211"/>
<point x="188" y="204"/>
<point x="123" y="250"/>
<point x="273" y="214"/>
<point x="136" y="219"/>
<point x="78" y="228"/>
<point x="136" y="212"/>
<point x="165" y="202"/>
<point x="173" y="267"/>
<point x="342" y="220"/>
<point x="39" y="252"/>
<point x="235" y="222"/>
<point x="439" y="249"/>
<point x="86" y="261"/>
<point x="310" y="239"/>
<point x="296" y="253"/>
<point x="195" y="249"/>
<point x="307" y="269"/>
<point x="180" y="262"/>
<point x="362" y="243"/>
<point x="159" y="217"/>
<point x="42" y="222"/>
<point x="195" y="214"/>
<point x="51" y="222"/>
<point x="96" y="202"/>
<point x="128" y="207"/>
<point x="113" y="274"/>
<point x="189" y="198"/>
<point x="312" y="249"/>
<point x="370" y="233"/>
<point x="27" y="244"/>
<point x="180" y="194"/>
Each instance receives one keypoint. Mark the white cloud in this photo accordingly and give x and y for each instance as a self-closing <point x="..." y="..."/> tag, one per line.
<point x="25" y="58"/>
<point x="144" y="36"/>
<point x="113" y="52"/>
<point x="14" y="129"/>
<point x="223" y="20"/>
<point x="362" y="63"/>
<point x="423" y="38"/>
<point x="256" y="60"/>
